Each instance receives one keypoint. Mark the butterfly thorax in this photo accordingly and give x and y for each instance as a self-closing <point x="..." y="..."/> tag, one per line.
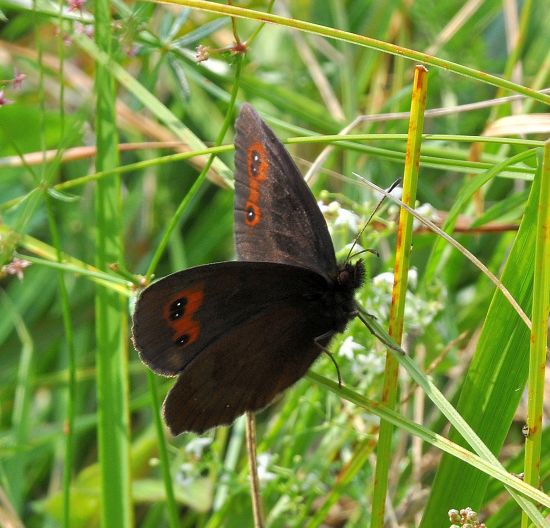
<point x="339" y="302"/>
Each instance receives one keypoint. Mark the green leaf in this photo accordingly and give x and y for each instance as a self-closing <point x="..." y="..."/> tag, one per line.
<point x="496" y="378"/>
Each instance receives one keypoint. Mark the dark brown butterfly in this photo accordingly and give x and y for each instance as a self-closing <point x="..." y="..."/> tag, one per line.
<point x="238" y="333"/>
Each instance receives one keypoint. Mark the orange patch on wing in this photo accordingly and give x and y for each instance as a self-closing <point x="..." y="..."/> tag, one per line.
<point x="179" y="314"/>
<point x="257" y="166"/>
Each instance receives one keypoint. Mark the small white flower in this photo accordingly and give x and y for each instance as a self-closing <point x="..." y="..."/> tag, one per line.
<point x="371" y="419"/>
<point x="196" y="446"/>
<point x="185" y="475"/>
<point x="264" y="460"/>
<point x="386" y="279"/>
<point x="427" y="211"/>
<point x="333" y="207"/>
<point x="349" y="347"/>
<point x="340" y="215"/>
<point x="348" y="218"/>
<point x="383" y="279"/>
<point x="357" y="248"/>
<point x="413" y="278"/>
<point x="373" y="363"/>
<point x="397" y="192"/>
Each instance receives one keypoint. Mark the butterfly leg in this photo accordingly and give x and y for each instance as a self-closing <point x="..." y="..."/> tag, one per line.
<point x="326" y="337"/>
<point x="360" y="310"/>
<point x="377" y="331"/>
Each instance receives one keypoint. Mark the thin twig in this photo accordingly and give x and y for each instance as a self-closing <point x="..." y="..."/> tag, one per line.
<point x="254" y="481"/>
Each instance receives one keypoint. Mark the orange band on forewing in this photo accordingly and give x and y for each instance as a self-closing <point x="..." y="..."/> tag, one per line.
<point x="185" y="324"/>
<point x="257" y="166"/>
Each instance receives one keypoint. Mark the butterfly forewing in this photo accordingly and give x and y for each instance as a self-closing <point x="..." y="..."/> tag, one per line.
<point x="181" y="315"/>
<point x="276" y="216"/>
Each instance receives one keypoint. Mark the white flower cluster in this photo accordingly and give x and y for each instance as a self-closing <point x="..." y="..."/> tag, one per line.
<point x="338" y="216"/>
<point x="419" y="312"/>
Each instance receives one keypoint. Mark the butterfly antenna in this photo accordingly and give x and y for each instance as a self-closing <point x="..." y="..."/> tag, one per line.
<point x="391" y="188"/>
<point x="368" y="250"/>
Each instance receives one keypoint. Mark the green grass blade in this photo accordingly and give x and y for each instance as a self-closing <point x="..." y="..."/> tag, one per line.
<point x="495" y="379"/>
<point x="14" y="468"/>
<point x="492" y="468"/>
<point x="362" y="40"/>
<point x="539" y="332"/>
<point x="470" y="187"/>
<point x="171" y="505"/>
<point x="197" y="184"/>
<point x="69" y="403"/>
<point x="111" y="319"/>
<point x="152" y="103"/>
<point x="463" y="428"/>
<point x="401" y="271"/>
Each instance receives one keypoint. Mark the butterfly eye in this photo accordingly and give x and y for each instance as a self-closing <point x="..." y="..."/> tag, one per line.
<point x="343" y="277"/>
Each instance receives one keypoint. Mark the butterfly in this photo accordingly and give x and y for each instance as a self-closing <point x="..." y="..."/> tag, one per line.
<point x="239" y="333"/>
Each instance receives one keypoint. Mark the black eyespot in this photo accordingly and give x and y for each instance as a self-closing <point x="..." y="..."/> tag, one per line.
<point x="179" y="303"/>
<point x="177" y="308"/>
<point x="250" y="214"/>
<point x="255" y="163"/>
<point x="182" y="340"/>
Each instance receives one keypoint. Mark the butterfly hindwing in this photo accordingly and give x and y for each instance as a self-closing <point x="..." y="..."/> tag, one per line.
<point x="255" y="361"/>
<point x="277" y="218"/>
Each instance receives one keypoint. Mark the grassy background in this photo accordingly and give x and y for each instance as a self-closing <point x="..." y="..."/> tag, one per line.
<point x="67" y="365"/>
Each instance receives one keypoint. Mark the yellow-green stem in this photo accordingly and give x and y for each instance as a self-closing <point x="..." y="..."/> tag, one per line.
<point x="404" y="237"/>
<point x="539" y="333"/>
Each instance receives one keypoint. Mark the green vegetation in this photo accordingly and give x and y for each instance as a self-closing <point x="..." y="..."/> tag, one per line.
<point x="84" y="225"/>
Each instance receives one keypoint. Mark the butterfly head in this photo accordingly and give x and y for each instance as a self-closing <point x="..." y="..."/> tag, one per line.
<point x="351" y="276"/>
